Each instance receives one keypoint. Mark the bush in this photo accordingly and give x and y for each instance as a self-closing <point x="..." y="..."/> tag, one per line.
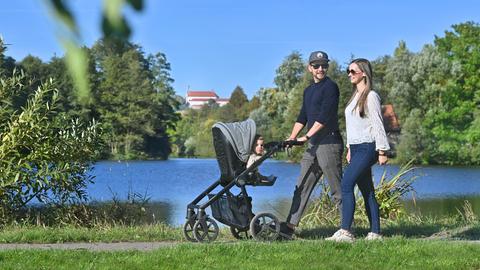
<point x="45" y="156"/>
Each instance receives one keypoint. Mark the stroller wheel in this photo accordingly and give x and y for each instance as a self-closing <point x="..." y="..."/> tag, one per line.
<point x="205" y="230"/>
<point x="239" y="234"/>
<point x="265" y="227"/>
<point x="188" y="231"/>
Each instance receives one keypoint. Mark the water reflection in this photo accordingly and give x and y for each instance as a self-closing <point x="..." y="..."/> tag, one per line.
<point x="437" y="207"/>
<point x="160" y="212"/>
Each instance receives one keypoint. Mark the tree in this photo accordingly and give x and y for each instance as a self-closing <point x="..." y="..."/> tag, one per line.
<point x="238" y="98"/>
<point x="380" y="84"/>
<point x="136" y="101"/>
<point x="36" y="71"/>
<point x="164" y="107"/>
<point x="290" y="72"/>
<point x="402" y="92"/>
<point x="7" y="63"/>
<point x="462" y="45"/>
<point x="237" y="108"/>
<point x="270" y="116"/>
<point x="431" y="106"/>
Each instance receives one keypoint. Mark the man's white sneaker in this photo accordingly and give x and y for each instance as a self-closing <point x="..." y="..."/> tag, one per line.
<point x="341" y="236"/>
<point x="373" y="236"/>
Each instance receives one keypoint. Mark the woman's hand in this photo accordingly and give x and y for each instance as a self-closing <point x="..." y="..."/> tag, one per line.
<point x="348" y="155"/>
<point x="382" y="159"/>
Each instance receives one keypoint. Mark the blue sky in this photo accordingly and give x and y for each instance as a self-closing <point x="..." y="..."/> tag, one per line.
<point x="219" y="44"/>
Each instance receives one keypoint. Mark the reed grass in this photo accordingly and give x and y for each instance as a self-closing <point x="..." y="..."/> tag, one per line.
<point x="322" y="211"/>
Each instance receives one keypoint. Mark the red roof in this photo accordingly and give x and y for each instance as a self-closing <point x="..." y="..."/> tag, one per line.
<point x="201" y="99"/>
<point x="202" y="94"/>
<point x="390" y="120"/>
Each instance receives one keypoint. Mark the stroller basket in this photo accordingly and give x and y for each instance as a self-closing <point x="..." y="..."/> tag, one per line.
<point x="232" y="210"/>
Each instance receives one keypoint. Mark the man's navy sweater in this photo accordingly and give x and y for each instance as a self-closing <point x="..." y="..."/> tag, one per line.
<point x="320" y="104"/>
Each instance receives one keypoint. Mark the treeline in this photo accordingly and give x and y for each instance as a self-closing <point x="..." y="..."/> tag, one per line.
<point x="131" y="96"/>
<point x="435" y="93"/>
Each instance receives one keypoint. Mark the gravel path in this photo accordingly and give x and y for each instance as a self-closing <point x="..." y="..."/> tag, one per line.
<point x="141" y="246"/>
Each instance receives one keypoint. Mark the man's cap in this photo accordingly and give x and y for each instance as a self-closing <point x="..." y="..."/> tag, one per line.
<point x="318" y="57"/>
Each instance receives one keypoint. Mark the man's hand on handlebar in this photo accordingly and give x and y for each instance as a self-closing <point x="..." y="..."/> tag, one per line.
<point x="302" y="139"/>
<point x="290" y="143"/>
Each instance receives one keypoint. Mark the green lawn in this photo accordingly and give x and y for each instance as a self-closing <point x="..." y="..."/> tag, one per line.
<point x="409" y="244"/>
<point x="393" y="253"/>
<point x="410" y="229"/>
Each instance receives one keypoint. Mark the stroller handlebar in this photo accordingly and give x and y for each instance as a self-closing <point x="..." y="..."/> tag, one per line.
<point x="292" y="143"/>
<point x="280" y="146"/>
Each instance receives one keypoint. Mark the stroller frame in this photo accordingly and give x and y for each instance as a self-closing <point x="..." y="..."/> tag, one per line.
<point x="264" y="226"/>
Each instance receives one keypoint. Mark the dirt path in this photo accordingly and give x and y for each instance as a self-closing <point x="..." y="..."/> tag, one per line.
<point x="140" y="246"/>
<point x="119" y="246"/>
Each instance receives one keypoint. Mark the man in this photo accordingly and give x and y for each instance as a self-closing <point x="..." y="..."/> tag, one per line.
<point x="325" y="144"/>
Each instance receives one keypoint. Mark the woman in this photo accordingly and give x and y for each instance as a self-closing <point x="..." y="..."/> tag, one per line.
<point x="366" y="144"/>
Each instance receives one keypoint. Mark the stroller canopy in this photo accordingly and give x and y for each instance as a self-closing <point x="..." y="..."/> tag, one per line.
<point x="240" y="135"/>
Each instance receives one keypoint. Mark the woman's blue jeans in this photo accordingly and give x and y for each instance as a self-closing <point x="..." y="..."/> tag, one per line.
<point x="359" y="172"/>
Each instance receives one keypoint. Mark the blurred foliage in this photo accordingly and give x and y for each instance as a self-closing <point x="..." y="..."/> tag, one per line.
<point x="114" y="25"/>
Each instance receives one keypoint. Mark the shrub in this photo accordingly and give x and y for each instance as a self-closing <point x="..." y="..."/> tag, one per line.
<point x="45" y="156"/>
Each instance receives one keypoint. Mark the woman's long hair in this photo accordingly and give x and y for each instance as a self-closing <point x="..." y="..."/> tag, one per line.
<point x="365" y="66"/>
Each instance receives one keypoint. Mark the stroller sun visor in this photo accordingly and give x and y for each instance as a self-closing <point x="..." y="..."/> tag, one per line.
<point x="240" y="135"/>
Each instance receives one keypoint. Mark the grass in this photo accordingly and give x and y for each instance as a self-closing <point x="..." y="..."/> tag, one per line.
<point x="63" y="234"/>
<point x="454" y="227"/>
<point x="410" y="243"/>
<point x="394" y="253"/>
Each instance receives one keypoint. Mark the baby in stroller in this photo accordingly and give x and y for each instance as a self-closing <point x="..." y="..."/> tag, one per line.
<point x="239" y="153"/>
<point x="258" y="150"/>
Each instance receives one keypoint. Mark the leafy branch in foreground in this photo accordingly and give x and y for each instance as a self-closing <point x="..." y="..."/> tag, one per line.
<point x="44" y="156"/>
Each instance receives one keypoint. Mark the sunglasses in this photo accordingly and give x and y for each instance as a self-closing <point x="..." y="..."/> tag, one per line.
<point x="317" y="66"/>
<point x="353" y="72"/>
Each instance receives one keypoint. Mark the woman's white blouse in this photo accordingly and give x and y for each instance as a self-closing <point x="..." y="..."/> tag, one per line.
<point x="368" y="129"/>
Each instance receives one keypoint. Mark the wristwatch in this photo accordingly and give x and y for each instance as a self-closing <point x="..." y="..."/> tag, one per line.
<point x="308" y="137"/>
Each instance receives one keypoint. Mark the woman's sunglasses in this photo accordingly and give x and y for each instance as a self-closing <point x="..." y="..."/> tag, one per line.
<point x="353" y="72"/>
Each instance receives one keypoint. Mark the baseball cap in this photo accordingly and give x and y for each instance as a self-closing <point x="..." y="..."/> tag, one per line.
<point x="318" y="57"/>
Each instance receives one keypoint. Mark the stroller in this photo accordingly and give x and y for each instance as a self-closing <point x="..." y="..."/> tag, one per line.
<point x="232" y="143"/>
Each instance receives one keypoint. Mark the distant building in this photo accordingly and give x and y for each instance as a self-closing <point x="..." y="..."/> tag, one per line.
<point x="197" y="99"/>
<point x="390" y="122"/>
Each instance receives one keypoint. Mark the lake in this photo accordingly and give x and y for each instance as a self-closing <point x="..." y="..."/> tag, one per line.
<point x="171" y="185"/>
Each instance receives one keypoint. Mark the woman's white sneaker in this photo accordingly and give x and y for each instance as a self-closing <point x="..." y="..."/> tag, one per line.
<point x="341" y="236"/>
<point x="373" y="236"/>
